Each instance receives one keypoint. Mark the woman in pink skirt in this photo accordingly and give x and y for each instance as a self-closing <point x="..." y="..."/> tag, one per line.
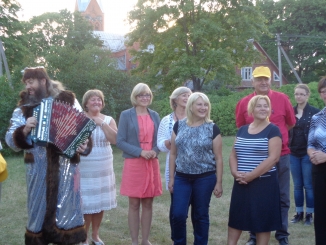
<point x="141" y="180"/>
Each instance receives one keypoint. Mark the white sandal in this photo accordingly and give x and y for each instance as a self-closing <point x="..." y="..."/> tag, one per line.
<point x="100" y="242"/>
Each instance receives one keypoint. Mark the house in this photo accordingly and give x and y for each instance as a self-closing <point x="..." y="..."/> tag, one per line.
<point x="92" y="10"/>
<point x="246" y="72"/>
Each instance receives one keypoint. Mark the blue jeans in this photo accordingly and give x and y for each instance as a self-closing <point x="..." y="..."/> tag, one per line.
<point x="170" y="213"/>
<point x="302" y="179"/>
<point x="198" y="191"/>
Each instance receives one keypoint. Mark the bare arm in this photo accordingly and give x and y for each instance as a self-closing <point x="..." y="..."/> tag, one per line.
<point x="274" y="153"/>
<point x="110" y="130"/>
<point x="172" y="166"/>
<point x="217" y="150"/>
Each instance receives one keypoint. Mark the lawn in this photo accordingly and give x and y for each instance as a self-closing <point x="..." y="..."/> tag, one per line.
<point x="114" y="229"/>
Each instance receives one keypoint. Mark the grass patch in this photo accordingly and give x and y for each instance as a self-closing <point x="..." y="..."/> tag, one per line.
<point x="114" y="228"/>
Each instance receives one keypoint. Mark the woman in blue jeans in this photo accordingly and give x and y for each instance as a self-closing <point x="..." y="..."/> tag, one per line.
<point x="196" y="168"/>
<point x="300" y="162"/>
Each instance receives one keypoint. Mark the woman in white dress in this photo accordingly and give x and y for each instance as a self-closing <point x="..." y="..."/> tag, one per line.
<point x="97" y="180"/>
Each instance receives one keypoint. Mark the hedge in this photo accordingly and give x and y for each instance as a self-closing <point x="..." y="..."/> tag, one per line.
<point x="223" y="107"/>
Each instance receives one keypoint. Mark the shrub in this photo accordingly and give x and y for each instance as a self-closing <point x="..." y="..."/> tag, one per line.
<point x="223" y="107"/>
<point x="8" y="102"/>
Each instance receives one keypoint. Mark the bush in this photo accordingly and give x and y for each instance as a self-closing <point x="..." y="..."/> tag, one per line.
<point x="223" y="107"/>
<point x="8" y="102"/>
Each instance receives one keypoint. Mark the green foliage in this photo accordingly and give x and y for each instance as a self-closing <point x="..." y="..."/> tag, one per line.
<point x="314" y="98"/>
<point x="8" y="101"/>
<point x="224" y="103"/>
<point x="92" y="68"/>
<point x="302" y="26"/>
<point x="50" y="31"/>
<point x="223" y="110"/>
<point x="193" y="40"/>
<point x="15" y="44"/>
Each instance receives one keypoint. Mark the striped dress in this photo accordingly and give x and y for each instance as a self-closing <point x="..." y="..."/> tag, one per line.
<point x="97" y="180"/>
<point x="255" y="206"/>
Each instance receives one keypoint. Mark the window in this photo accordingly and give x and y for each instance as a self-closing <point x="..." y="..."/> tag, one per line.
<point x="246" y="73"/>
<point x="275" y="76"/>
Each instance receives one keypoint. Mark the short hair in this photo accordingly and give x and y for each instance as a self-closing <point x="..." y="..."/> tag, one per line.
<point x="253" y="102"/>
<point x="303" y="86"/>
<point x="321" y="84"/>
<point x="39" y="73"/>
<point x="191" y="100"/>
<point x="91" y="93"/>
<point x="137" y="90"/>
<point x="178" y="91"/>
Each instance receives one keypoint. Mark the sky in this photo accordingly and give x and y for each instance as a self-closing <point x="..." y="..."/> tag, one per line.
<point x="115" y="11"/>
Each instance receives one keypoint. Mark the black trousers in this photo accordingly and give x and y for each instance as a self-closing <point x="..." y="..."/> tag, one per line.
<point x="319" y="186"/>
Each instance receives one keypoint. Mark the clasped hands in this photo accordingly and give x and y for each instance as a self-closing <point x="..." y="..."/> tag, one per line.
<point x="241" y="177"/>
<point x="317" y="157"/>
<point x="148" y="154"/>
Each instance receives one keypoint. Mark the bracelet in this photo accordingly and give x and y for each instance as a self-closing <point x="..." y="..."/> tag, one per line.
<point x="102" y="124"/>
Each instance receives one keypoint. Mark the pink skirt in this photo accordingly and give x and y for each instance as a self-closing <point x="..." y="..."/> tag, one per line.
<point x="141" y="178"/>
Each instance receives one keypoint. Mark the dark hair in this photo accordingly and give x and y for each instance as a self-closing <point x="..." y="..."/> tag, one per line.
<point x="39" y="73"/>
<point x="321" y="84"/>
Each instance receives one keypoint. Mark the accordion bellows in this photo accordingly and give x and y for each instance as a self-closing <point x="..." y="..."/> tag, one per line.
<point x="62" y="125"/>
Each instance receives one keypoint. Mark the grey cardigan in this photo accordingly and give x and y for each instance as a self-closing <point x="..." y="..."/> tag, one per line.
<point x="128" y="133"/>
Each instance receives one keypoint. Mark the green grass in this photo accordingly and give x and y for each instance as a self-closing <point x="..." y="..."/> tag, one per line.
<point x="114" y="228"/>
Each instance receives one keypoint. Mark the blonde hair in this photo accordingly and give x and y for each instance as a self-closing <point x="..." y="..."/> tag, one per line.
<point x="138" y="89"/>
<point x="303" y="86"/>
<point x="191" y="100"/>
<point x="91" y="93"/>
<point x="253" y="102"/>
<point x="175" y="94"/>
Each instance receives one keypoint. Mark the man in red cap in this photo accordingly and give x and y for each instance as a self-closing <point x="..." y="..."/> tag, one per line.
<point x="282" y="115"/>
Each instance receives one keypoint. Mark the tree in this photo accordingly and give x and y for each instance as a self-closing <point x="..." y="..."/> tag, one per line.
<point x="10" y="32"/>
<point x="49" y="31"/>
<point x="193" y="39"/>
<point x="92" y="68"/>
<point x="302" y="26"/>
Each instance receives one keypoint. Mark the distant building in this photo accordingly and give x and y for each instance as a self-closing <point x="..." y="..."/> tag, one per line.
<point x="92" y="10"/>
<point x="246" y="72"/>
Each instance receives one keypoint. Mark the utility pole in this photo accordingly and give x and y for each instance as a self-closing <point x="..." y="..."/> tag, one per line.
<point x="279" y="58"/>
<point x="280" y="49"/>
<point x="3" y="60"/>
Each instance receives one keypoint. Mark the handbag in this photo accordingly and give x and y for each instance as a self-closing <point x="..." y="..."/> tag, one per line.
<point x="3" y="169"/>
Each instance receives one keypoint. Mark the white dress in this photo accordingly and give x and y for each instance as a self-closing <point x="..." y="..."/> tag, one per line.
<point x="97" y="177"/>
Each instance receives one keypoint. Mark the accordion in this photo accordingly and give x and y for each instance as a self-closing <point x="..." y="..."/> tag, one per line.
<point x="61" y="125"/>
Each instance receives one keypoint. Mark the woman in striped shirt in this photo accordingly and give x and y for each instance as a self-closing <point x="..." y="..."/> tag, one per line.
<point x="255" y="199"/>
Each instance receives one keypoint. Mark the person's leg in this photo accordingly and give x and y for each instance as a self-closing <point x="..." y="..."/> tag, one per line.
<point x="88" y="220"/>
<point x="146" y="219"/>
<point x="283" y="170"/>
<point x="182" y="190"/>
<point x="96" y="222"/>
<point x="170" y="216"/>
<point x="297" y="177"/>
<point x="133" y="219"/>
<point x="319" y="186"/>
<point x="296" y="171"/>
<point x="201" y="196"/>
<point x="307" y="182"/>
<point x="233" y="236"/>
<point x="263" y="238"/>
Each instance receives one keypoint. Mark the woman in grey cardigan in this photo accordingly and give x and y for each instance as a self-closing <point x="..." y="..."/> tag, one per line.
<point x="141" y="180"/>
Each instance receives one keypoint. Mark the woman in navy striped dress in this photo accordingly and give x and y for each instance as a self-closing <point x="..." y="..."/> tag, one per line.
<point x="255" y="199"/>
